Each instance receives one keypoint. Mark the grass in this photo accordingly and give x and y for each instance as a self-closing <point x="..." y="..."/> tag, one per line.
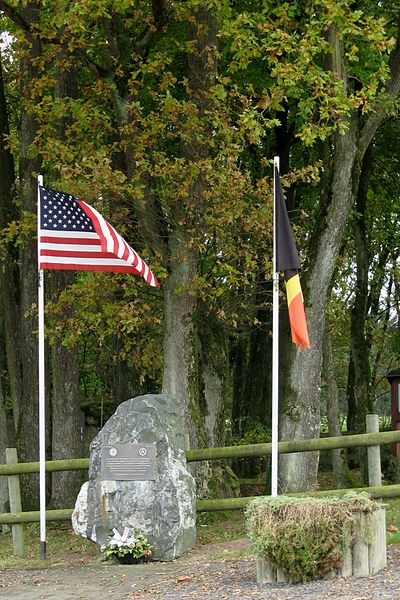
<point x="326" y="479"/>
<point x="220" y="526"/>
<point x="393" y="521"/>
<point x="63" y="547"/>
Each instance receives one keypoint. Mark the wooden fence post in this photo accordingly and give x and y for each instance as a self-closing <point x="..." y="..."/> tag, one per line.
<point x="377" y="553"/>
<point x="14" y="494"/>
<point x="374" y="453"/>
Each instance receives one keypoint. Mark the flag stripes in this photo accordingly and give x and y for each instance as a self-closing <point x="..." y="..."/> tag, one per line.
<point x="74" y="236"/>
<point x="287" y="260"/>
<point x="297" y="316"/>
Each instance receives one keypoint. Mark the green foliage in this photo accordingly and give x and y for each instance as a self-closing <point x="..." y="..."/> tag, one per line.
<point x="115" y="322"/>
<point x="281" y="50"/>
<point x="307" y="537"/>
<point x="390" y="465"/>
<point x="254" y="434"/>
<point x="17" y="233"/>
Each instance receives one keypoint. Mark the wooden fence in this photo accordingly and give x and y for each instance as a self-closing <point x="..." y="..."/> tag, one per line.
<point x="370" y="440"/>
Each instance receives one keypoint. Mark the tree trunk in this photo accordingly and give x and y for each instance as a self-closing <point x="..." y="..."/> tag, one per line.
<point x="257" y="391"/>
<point x="332" y="409"/>
<point x="180" y="375"/>
<point x="66" y="432"/>
<point x="8" y="281"/>
<point x="181" y="356"/>
<point x="215" y="377"/>
<point x="181" y="365"/>
<point x="29" y="164"/>
<point x="239" y="360"/>
<point x="215" y="401"/>
<point x="4" y="505"/>
<point x="384" y="322"/>
<point x="125" y="382"/>
<point x="252" y="402"/>
<point x="358" y="343"/>
<point x="67" y="440"/>
<point x="365" y="308"/>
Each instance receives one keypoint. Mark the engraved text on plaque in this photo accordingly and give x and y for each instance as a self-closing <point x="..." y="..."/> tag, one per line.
<point x="128" y="462"/>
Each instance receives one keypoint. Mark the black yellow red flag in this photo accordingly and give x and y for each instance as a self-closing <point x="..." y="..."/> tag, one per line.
<point x="287" y="260"/>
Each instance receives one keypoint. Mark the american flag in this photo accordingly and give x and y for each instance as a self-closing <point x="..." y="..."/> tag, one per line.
<point x="74" y="236"/>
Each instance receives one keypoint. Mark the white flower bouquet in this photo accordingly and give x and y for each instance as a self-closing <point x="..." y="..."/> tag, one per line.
<point x="130" y="547"/>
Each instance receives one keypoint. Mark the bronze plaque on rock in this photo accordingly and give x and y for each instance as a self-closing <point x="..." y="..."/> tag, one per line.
<point x="128" y="462"/>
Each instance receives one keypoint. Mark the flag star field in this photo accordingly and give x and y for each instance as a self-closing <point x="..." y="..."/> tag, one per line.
<point x="74" y="235"/>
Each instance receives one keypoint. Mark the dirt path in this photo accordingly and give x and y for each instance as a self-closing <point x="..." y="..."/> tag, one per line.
<point x="215" y="572"/>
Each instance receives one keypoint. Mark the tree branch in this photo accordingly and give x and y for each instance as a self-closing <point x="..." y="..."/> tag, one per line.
<point x="15" y="16"/>
<point x="159" y="20"/>
<point x="392" y="90"/>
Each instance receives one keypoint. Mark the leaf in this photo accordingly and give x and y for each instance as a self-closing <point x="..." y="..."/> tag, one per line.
<point x="183" y="578"/>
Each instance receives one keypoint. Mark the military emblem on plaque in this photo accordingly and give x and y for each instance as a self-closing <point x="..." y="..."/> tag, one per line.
<point x="128" y="462"/>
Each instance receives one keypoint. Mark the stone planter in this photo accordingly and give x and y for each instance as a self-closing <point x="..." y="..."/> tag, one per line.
<point x="361" y="560"/>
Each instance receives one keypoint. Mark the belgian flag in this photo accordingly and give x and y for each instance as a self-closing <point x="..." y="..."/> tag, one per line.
<point x="287" y="260"/>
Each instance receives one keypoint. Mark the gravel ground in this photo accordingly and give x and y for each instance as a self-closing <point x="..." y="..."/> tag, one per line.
<point x="236" y="578"/>
<point x="201" y="575"/>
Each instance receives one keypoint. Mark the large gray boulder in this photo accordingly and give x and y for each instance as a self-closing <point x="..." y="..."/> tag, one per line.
<point x="164" y="508"/>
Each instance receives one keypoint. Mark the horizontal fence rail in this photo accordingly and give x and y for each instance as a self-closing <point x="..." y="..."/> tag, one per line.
<point x="309" y="445"/>
<point x="64" y="514"/>
<point x="384" y="491"/>
<point x="69" y="464"/>
<point x="245" y="451"/>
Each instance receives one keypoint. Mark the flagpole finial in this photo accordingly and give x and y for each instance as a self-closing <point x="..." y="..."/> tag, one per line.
<point x="277" y="162"/>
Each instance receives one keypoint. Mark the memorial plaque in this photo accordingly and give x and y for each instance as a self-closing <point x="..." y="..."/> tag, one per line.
<point x="128" y="462"/>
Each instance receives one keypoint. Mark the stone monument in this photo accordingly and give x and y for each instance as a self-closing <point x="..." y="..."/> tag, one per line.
<point x="138" y="478"/>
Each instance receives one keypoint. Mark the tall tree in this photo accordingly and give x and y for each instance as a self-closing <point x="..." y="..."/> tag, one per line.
<point x="8" y="272"/>
<point x="29" y="165"/>
<point x="302" y="420"/>
<point x="66" y="430"/>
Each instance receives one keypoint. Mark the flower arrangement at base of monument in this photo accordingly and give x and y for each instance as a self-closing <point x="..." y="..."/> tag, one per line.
<point x="128" y="548"/>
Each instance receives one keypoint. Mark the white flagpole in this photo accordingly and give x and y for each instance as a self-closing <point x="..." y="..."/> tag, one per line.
<point x="42" y="398"/>
<point x="275" y="356"/>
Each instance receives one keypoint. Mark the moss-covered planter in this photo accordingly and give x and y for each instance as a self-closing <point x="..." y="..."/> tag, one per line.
<point x="300" y="539"/>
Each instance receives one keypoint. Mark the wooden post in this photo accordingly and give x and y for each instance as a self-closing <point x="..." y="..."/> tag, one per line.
<point x="282" y="576"/>
<point x="266" y="573"/>
<point x="360" y="559"/>
<point x="347" y="566"/>
<point x="374" y="453"/>
<point x="377" y="549"/>
<point x="14" y="494"/>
